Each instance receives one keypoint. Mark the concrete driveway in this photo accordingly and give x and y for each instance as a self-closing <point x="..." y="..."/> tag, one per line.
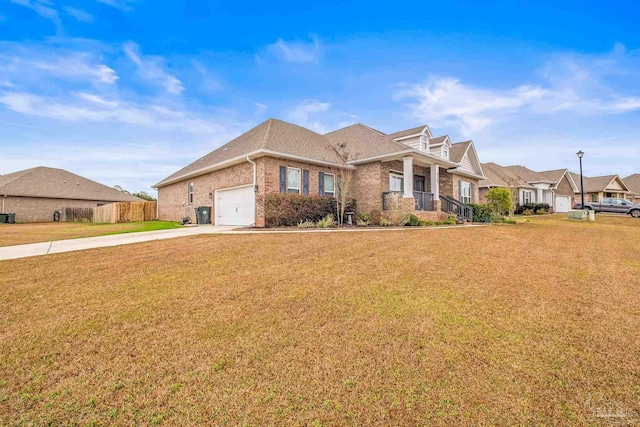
<point x="58" y="246"/>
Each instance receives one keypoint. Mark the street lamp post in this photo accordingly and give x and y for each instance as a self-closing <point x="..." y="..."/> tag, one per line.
<point x="580" y="154"/>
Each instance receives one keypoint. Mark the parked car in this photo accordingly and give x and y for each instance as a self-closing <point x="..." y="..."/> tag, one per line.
<point x="613" y="205"/>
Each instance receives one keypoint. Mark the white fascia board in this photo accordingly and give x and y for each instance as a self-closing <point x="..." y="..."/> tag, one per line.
<point x="436" y="160"/>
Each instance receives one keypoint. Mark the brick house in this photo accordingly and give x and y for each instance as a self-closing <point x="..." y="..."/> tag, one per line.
<point x="633" y="184"/>
<point x="35" y="194"/>
<point x="555" y="187"/>
<point x="411" y="167"/>
<point x="598" y="187"/>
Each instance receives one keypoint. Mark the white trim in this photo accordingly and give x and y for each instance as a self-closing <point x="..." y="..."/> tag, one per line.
<point x="396" y="175"/>
<point x="215" y="201"/>
<point x="393" y="156"/>
<point x="324" y="184"/>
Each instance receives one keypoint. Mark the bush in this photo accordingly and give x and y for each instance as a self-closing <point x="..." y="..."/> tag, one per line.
<point x="306" y="224"/>
<point x="426" y="223"/>
<point x="541" y="212"/>
<point x="450" y="220"/>
<point x="412" y="221"/>
<point x="375" y="216"/>
<point x="532" y="207"/>
<point x="363" y="219"/>
<point x="384" y="222"/>
<point x="499" y="201"/>
<point x="481" y="213"/>
<point x="326" y="222"/>
<point x="285" y="209"/>
<point x="527" y="212"/>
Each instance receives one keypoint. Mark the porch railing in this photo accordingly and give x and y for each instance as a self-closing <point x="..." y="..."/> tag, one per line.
<point x="424" y="201"/>
<point x="459" y="209"/>
<point x="393" y="200"/>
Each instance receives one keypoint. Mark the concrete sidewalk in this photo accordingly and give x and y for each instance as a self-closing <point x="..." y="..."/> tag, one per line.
<point x="70" y="245"/>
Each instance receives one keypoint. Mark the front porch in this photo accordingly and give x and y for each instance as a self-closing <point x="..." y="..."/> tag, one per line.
<point x="413" y="184"/>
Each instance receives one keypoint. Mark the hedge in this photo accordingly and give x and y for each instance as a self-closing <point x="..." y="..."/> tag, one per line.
<point x="481" y="213"/>
<point x="533" y="207"/>
<point x="287" y="209"/>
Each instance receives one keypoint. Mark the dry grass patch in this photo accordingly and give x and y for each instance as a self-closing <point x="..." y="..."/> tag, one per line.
<point x="505" y="325"/>
<point x="20" y="234"/>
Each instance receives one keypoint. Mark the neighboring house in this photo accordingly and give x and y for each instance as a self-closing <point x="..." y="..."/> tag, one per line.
<point x="564" y="189"/>
<point x="35" y="194"/>
<point x="410" y="166"/>
<point x="633" y="184"/>
<point x="598" y="187"/>
<point x="530" y="186"/>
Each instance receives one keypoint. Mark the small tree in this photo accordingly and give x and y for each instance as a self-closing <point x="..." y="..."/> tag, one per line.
<point x="499" y="201"/>
<point x="144" y="196"/>
<point x="344" y="181"/>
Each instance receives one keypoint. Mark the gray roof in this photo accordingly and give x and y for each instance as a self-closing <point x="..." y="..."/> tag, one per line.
<point x="633" y="183"/>
<point x="456" y="153"/>
<point x="272" y="135"/>
<point x="361" y="142"/>
<point x="59" y="184"/>
<point x="553" y="175"/>
<point x="438" y="140"/>
<point x="407" y="132"/>
<point x="509" y="176"/>
<point x="595" y="184"/>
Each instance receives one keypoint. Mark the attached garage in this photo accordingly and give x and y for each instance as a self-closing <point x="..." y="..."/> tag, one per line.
<point x="236" y="206"/>
<point x="563" y="204"/>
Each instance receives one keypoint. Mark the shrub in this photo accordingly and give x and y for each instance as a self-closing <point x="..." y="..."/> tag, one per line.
<point x="499" y="201"/>
<point x="326" y="222"/>
<point x="375" y="216"/>
<point x="527" y="212"/>
<point x="450" y="220"/>
<point x="283" y="209"/>
<point x="364" y="216"/>
<point x="306" y="224"/>
<point x="413" y="221"/>
<point x="361" y="223"/>
<point x="540" y="212"/>
<point x="426" y="223"/>
<point x="481" y="213"/>
<point x="533" y="207"/>
<point x="384" y="222"/>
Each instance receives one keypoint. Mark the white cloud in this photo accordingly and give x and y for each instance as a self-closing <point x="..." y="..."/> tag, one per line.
<point x="302" y="115"/>
<point x="35" y="63"/>
<point x="151" y="69"/>
<point x="125" y="5"/>
<point x="297" y="52"/>
<point x="79" y="14"/>
<point x="44" y="9"/>
<point x="209" y="83"/>
<point x="261" y="108"/>
<point x="570" y="84"/>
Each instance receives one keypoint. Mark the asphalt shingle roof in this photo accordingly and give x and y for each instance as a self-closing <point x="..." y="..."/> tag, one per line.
<point x="594" y="184"/>
<point x="360" y="142"/>
<point x="457" y="151"/>
<point x="59" y="184"/>
<point x="633" y="183"/>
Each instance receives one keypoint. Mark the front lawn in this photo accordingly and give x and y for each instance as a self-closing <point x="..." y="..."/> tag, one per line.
<point x="533" y="324"/>
<point x="19" y="234"/>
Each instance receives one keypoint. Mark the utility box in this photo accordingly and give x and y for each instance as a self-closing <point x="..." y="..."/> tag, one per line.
<point x="577" y="214"/>
<point x="592" y="215"/>
<point x="7" y="218"/>
<point x="203" y="215"/>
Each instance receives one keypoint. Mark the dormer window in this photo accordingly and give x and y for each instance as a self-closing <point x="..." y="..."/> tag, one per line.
<point x="424" y="142"/>
<point x="445" y="151"/>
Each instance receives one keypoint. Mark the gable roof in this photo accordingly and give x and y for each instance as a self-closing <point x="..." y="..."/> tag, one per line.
<point x="59" y="184"/>
<point x="361" y="142"/>
<point x="597" y="183"/>
<point x="458" y="150"/>
<point x="412" y="131"/>
<point x="528" y="175"/>
<point x="272" y="136"/>
<point x="557" y="175"/>
<point x="633" y="183"/>
<point x="509" y="176"/>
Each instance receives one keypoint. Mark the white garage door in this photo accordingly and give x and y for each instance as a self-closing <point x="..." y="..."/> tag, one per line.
<point x="236" y="206"/>
<point x="563" y="204"/>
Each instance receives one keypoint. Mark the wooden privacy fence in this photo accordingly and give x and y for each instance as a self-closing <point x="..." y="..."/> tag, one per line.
<point x="113" y="213"/>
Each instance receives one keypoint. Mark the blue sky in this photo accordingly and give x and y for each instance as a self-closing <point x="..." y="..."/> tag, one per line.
<point x="128" y="91"/>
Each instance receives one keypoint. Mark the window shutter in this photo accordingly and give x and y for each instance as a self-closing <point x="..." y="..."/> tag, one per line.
<point x="460" y="190"/>
<point x="283" y="179"/>
<point x="471" y="191"/>
<point x="321" y="183"/>
<point x="305" y="181"/>
<point x="337" y="186"/>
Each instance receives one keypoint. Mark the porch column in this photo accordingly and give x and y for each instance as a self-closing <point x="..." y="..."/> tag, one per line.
<point x="435" y="182"/>
<point x="407" y="163"/>
<point x="539" y="196"/>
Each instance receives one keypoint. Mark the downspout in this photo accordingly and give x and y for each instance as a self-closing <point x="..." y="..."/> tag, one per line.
<point x="158" y="206"/>
<point x="255" y="187"/>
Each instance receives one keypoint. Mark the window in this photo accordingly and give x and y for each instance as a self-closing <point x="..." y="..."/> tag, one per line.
<point x="445" y="152"/>
<point x="396" y="182"/>
<point x="465" y="192"/>
<point x="527" y="197"/>
<point x="594" y="198"/>
<point x="329" y="185"/>
<point x="424" y="142"/>
<point x="191" y="193"/>
<point x="293" y="180"/>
